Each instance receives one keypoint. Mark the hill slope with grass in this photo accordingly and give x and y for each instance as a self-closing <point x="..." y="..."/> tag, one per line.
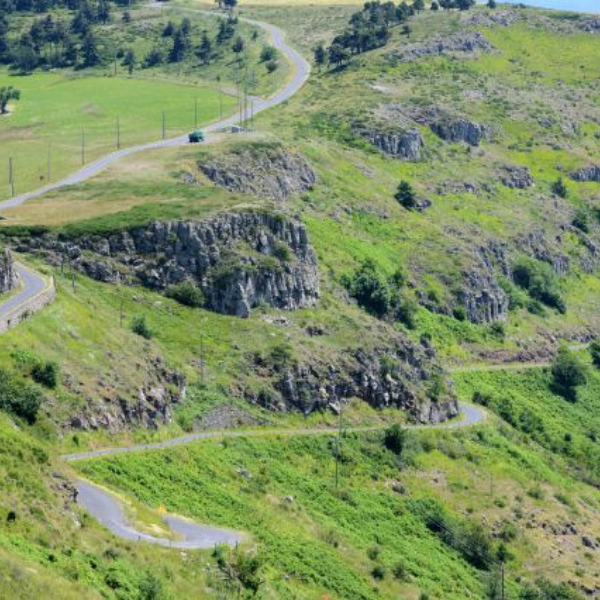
<point x="418" y="212"/>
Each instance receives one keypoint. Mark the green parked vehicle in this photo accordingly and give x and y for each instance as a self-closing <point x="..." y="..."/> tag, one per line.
<point x="196" y="136"/>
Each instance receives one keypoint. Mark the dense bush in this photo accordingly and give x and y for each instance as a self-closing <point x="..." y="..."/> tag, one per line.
<point x="19" y="397"/>
<point x="187" y="293"/>
<point x="378" y="294"/>
<point x="568" y="372"/>
<point x="540" y="282"/>
<point x="46" y="373"/>
<point x="595" y="353"/>
<point x="394" y="439"/>
<point x="140" y="326"/>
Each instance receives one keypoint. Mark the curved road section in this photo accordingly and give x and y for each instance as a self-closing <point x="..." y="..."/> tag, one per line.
<point x="31" y="286"/>
<point x="108" y="511"/>
<point x="301" y="71"/>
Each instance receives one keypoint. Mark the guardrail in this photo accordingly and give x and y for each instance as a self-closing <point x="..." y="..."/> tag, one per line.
<point x="22" y="311"/>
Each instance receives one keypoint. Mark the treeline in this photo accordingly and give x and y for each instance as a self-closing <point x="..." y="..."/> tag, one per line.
<point x="42" y="6"/>
<point x="54" y="42"/>
<point x="59" y="42"/>
<point x="370" y="28"/>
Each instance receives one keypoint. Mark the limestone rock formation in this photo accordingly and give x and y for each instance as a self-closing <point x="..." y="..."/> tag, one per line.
<point x="406" y="145"/>
<point x="400" y="375"/>
<point x="266" y="171"/>
<point x="463" y="43"/>
<point x="239" y="260"/>
<point x="483" y="299"/>
<point x="589" y="173"/>
<point x="515" y="177"/>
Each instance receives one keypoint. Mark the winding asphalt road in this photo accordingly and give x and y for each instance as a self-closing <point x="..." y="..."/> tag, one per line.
<point x="108" y="511"/>
<point x="98" y="502"/>
<point x="31" y="285"/>
<point x="301" y="71"/>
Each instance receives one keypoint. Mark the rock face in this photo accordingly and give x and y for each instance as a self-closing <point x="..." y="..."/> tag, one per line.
<point x="151" y="407"/>
<point x="396" y="376"/>
<point x="465" y="43"/>
<point x="264" y="171"/>
<point x="239" y="260"/>
<point x="405" y="145"/>
<point x="515" y="177"/>
<point x="459" y="129"/>
<point x="589" y="173"/>
<point x="538" y="246"/>
<point x="483" y="299"/>
<point x="7" y="271"/>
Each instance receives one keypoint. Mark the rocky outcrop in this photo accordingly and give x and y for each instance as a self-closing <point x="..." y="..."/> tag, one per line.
<point x="239" y="260"/>
<point x="538" y="246"/>
<point x="7" y="271"/>
<point x="482" y="298"/>
<point x="585" y="174"/>
<point x="491" y="18"/>
<point x="405" y="145"/>
<point x="459" y="129"/>
<point x="265" y="171"/>
<point x="590" y="25"/>
<point x="461" y="44"/>
<point x="515" y="177"/>
<point x="151" y="407"/>
<point x="403" y="375"/>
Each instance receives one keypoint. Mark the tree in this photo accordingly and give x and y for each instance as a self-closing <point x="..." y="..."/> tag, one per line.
<point x="103" y="11"/>
<point x="435" y="6"/>
<point x="338" y="55"/>
<point x="406" y="30"/>
<point x="268" y="53"/>
<point x="370" y="289"/>
<point x="129" y="61"/>
<point x="7" y="94"/>
<point x="559" y="188"/>
<point x="238" y="44"/>
<point x="418" y="5"/>
<point x="320" y="57"/>
<point x="204" y="50"/>
<point x="180" y="47"/>
<point x="491" y="4"/>
<point x="230" y="4"/>
<point x="91" y="57"/>
<point x="568" y="373"/>
<point x="126" y="17"/>
<point x="405" y="195"/>
<point x="595" y="353"/>
<point x="272" y="66"/>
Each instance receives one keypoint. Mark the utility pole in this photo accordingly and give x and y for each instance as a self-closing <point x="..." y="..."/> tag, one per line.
<point x="202" y="359"/>
<point x="338" y="448"/>
<point x="83" y="146"/>
<point x="118" y="132"/>
<point x="11" y="177"/>
<point x="48" y="157"/>
<point x="220" y="101"/>
<point x="246" y="98"/>
<point x="502" y="580"/>
<point x="196" y="113"/>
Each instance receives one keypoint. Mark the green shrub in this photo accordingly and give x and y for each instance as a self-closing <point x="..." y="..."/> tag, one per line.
<point x="407" y="312"/>
<point x="19" y="396"/>
<point x="581" y="221"/>
<point x="405" y="195"/>
<point x="187" y="293"/>
<point x="394" y="439"/>
<point x="595" y="353"/>
<point x="268" y="53"/>
<point x="140" y="326"/>
<point x="46" y="373"/>
<point x="370" y="289"/>
<point x="559" y="188"/>
<point x="568" y="372"/>
<point x="540" y="282"/>
<point x="378" y="572"/>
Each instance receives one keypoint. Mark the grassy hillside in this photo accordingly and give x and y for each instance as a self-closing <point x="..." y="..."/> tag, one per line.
<point x="436" y="517"/>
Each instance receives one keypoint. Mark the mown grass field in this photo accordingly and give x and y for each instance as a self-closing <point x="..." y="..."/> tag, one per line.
<point x="56" y="110"/>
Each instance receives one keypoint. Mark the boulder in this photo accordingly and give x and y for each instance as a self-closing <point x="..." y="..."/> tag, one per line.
<point x="515" y="177"/>
<point x="585" y="174"/>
